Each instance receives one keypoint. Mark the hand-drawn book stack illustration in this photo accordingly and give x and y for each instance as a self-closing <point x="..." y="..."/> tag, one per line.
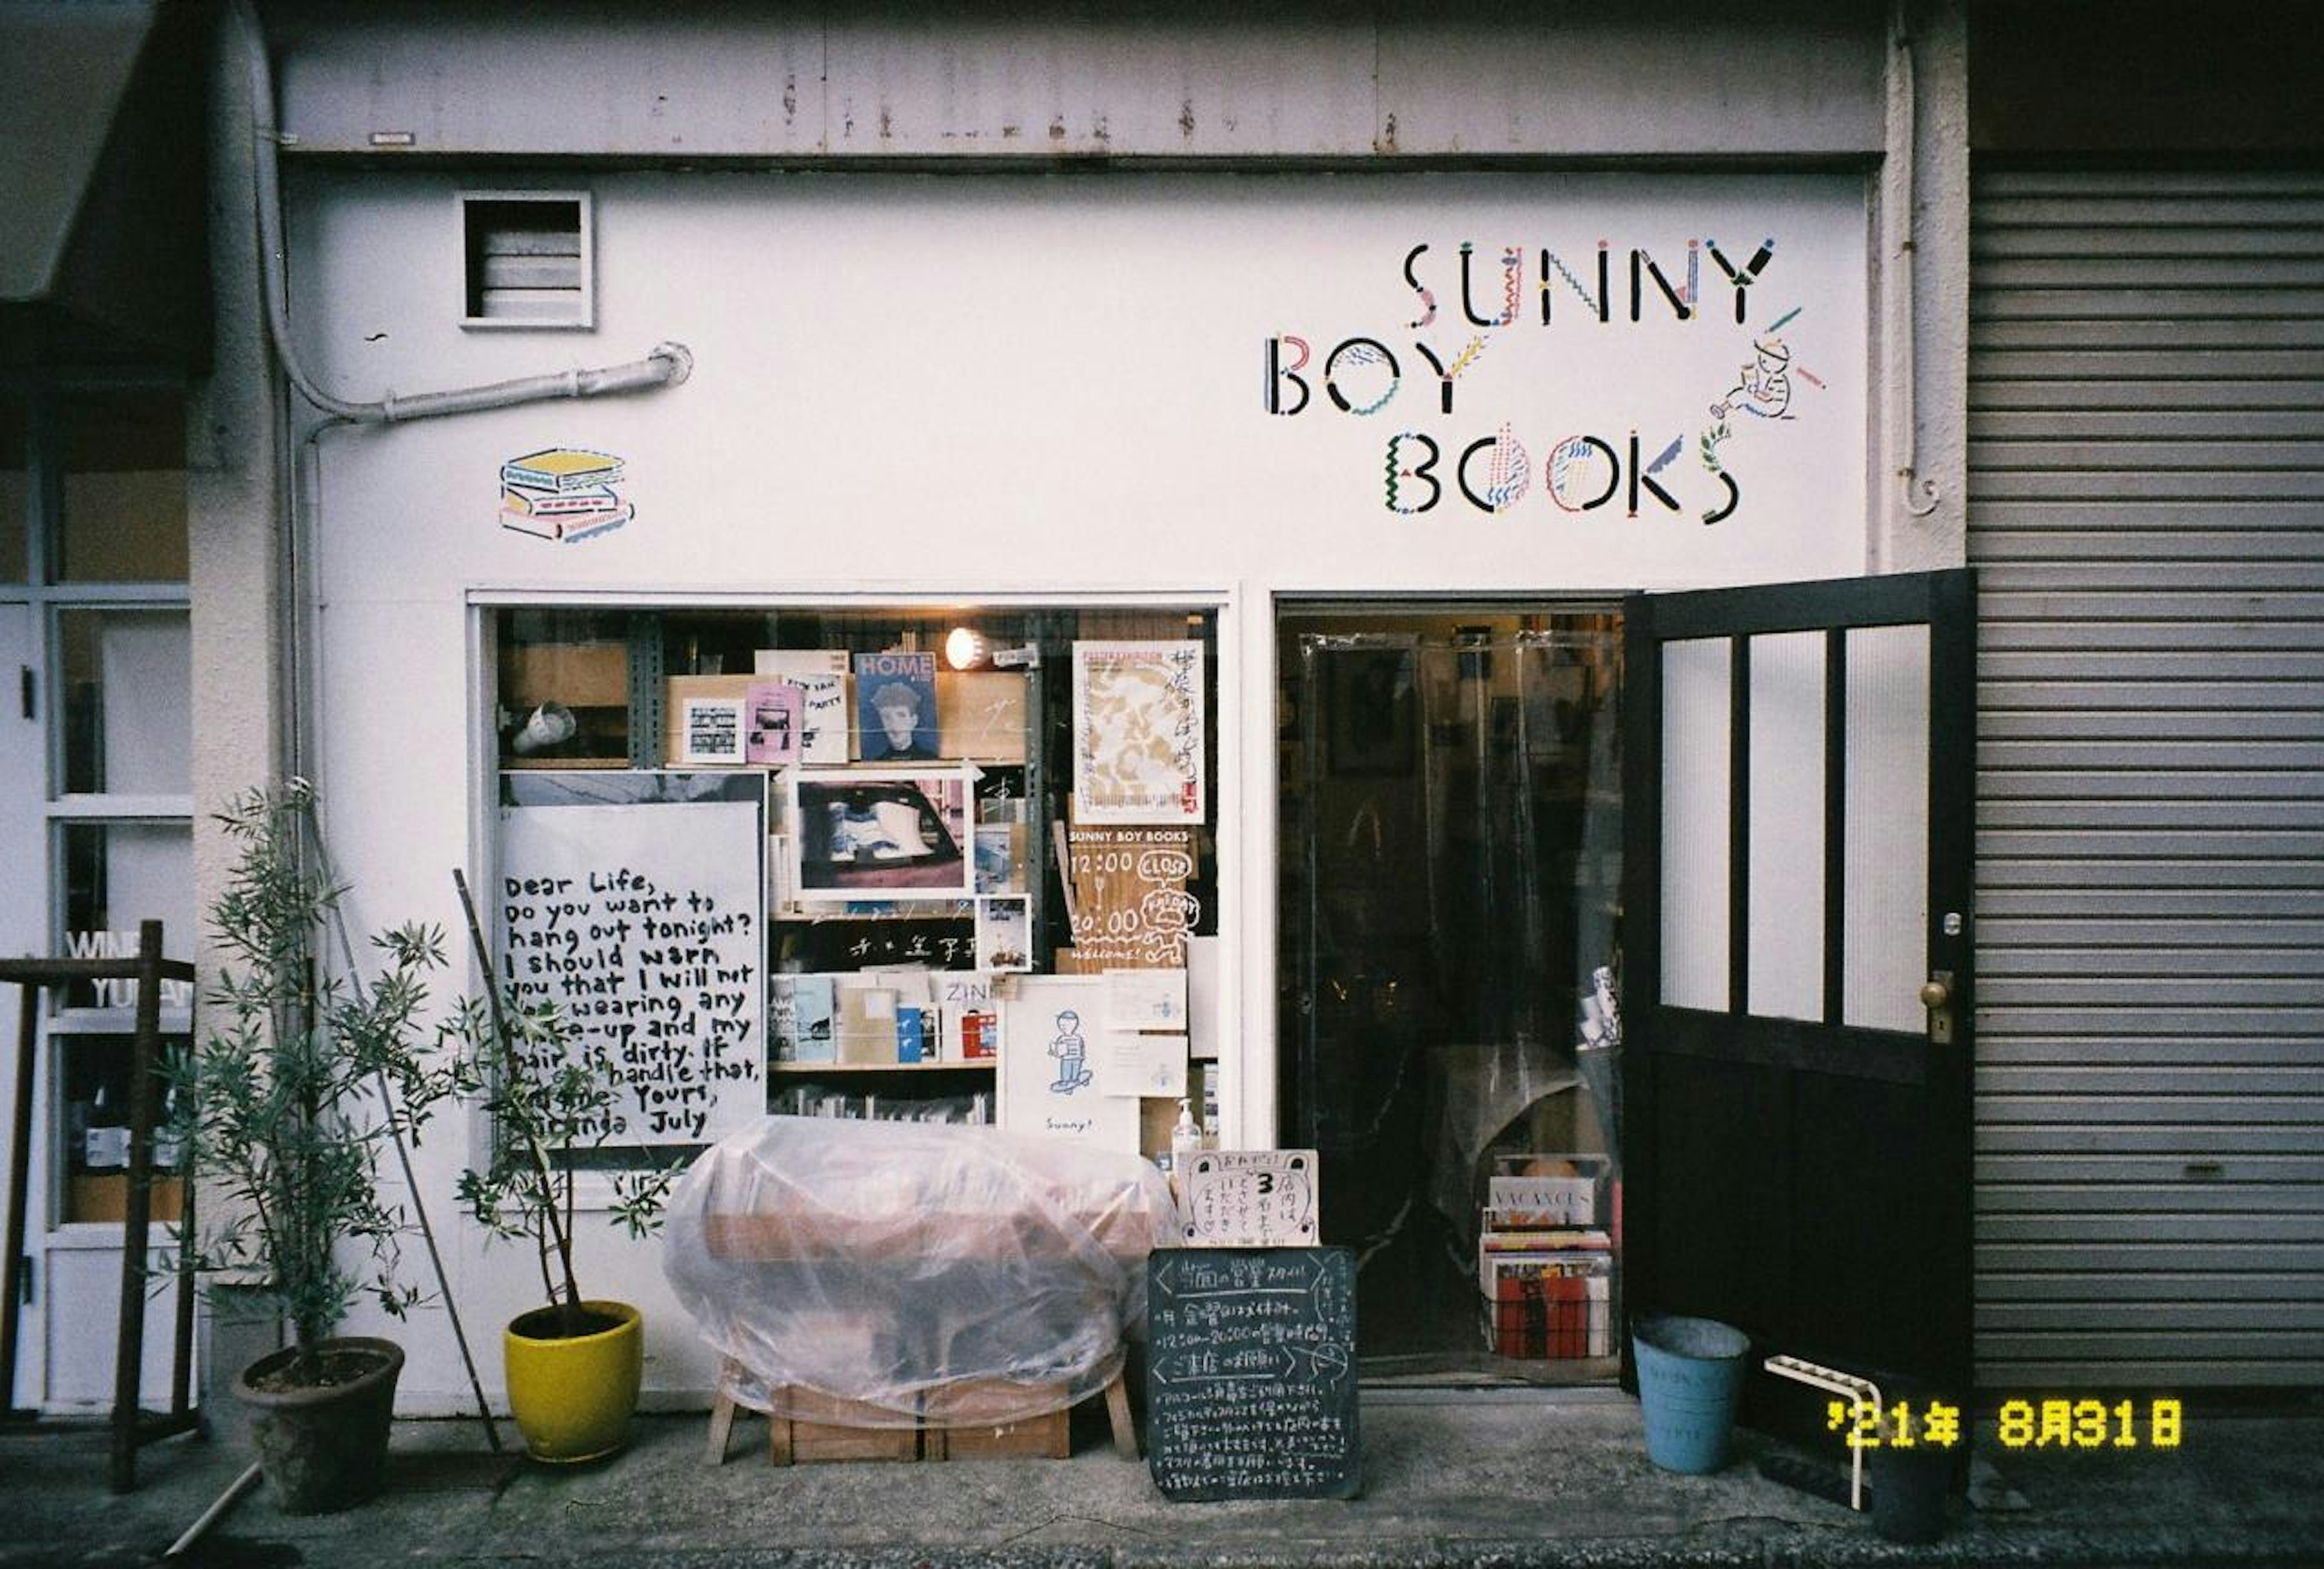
<point x="564" y="494"/>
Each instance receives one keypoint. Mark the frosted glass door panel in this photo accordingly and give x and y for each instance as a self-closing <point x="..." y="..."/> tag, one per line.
<point x="1787" y="828"/>
<point x="1696" y="673"/>
<point x="1887" y="806"/>
<point x="128" y="688"/>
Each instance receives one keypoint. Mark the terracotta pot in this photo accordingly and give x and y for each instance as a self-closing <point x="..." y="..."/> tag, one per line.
<point x="572" y="1396"/>
<point x="323" y="1447"/>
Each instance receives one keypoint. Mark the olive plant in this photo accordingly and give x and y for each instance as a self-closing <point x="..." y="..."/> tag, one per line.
<point x="550" y="1089"/>
<point x="299" y="1080"/>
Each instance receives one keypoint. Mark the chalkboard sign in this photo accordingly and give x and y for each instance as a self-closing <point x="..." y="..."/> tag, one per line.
<point x="1250" y="1372"/>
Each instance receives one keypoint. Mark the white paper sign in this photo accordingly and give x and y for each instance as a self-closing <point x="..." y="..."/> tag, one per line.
<point x="643" y="922"/>
<point x="1249" y="1198"/>
<point x="1147" y="999"/>
<point x="1202" y="997"/>
<point x="1053" y="1076"/>
<point x="1147" y="1064"/>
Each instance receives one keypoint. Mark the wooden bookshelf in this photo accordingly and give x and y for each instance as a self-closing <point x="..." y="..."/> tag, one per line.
<point x="981" y="1065"/>
<point x="591" y="679"/>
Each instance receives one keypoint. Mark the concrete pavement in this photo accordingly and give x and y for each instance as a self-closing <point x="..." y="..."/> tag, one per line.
<point x="1504" y="1479"/>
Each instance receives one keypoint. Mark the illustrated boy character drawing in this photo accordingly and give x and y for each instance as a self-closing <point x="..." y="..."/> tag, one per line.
<point x="1765" y="385"/>
<point x="1071" y="1051"/>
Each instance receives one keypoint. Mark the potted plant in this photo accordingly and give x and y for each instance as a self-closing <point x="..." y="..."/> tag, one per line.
<point x="574" y="1364"/>
<point x="283" y="1107"/>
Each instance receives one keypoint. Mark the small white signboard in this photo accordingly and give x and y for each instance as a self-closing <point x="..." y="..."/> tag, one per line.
<point x="1251" y="1198"/>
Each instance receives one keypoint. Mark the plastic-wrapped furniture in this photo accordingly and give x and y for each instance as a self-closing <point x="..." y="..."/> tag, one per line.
<point x="889" y="1289"/>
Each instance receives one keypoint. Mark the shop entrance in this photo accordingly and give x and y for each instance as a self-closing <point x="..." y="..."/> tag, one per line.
<point x="1451" y="856"/>
<point x="1800" y="943"/>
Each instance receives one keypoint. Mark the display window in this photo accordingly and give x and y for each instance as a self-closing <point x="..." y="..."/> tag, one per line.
<point x="909" y="863"/>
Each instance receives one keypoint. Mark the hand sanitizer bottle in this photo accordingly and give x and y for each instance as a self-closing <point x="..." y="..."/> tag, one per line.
<point x="1185" y="1143"/>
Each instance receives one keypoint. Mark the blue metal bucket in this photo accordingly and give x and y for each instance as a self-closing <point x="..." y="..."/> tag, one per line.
<point x="1690" y="1377"/>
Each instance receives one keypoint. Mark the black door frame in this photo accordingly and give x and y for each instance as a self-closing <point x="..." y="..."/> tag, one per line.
<point x="1946" y="601"/>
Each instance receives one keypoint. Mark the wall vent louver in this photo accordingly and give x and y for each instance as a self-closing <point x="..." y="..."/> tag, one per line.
<point x="527" y="259"/>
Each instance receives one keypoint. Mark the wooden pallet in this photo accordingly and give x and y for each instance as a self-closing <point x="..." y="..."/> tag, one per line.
<point x="959" y="1423"/>
<point x="955" y="1424"/>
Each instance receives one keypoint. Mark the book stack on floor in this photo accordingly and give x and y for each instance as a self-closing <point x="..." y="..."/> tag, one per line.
<point x="1544" y="1273"/>
<point x="1546" y="1292"/>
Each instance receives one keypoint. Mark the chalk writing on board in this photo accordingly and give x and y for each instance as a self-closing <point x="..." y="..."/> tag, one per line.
<point x="1243" y="1198"/>
<point x="1251" y="1374"/>
<point x="634" y="922"/>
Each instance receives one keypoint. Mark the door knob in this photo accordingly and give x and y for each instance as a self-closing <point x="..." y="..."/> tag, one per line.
<point x="1935" y="994"/>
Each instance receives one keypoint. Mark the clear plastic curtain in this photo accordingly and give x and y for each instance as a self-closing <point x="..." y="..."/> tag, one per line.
<point x="1459" y="806"/>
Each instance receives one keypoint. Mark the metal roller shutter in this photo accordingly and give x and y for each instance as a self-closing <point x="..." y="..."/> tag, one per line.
<point x="2146" y="513"/>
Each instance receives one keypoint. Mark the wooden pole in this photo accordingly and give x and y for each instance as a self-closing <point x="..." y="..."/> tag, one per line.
<point x="129" y="1347"/>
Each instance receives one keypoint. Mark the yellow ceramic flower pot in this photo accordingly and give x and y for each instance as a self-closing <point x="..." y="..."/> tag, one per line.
<point x="572" y="1396"/>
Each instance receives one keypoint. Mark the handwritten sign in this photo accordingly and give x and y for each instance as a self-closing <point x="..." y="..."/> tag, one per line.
<point x="1250" y="1372"/>
<point x="643" y="924"/>
<point x="1131" y="906"/>
<point x="1251" y="1198"/>
<point x="840" y="945"/>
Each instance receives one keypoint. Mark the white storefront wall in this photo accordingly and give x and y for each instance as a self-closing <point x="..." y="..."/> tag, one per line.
<point x="960" y="389"/>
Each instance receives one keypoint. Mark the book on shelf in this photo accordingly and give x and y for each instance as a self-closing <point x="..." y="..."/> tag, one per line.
<point x="1493" y="1268"/>
<point x="819" y="1100"/>
<point x="1496" y="1238"/>
<point x="821" y="676"/>
<point x="803" y="1011"/>
<point x="1538" y="1316"/>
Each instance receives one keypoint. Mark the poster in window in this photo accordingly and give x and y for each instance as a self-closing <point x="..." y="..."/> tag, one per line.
<point x="639" y="916"/>
<point x="885" y="834"/>
<point x="896" y="707"/>
<point x="776" y="712"/>
<point x="1004" y="934"/>
<point x="821" y="676"/>
<point x="1138" y="744"/>
<point x="1054" y="1076"/>
<point x="711" y="731"/>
